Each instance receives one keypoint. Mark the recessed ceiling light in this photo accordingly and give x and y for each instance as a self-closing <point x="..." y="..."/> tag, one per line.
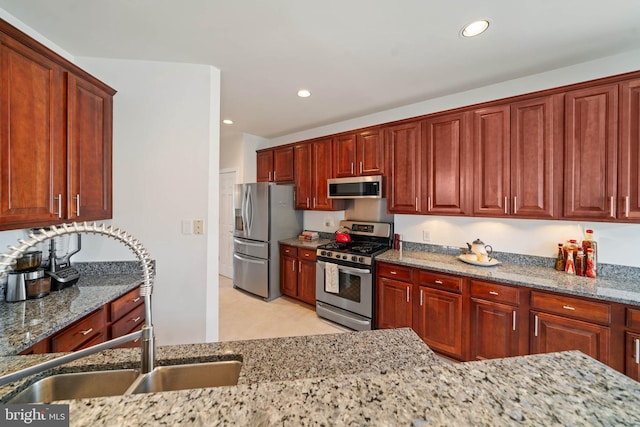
<point x="227" y="122"/>
<point x="474" y="28"/>
<point x="304" y="93"/>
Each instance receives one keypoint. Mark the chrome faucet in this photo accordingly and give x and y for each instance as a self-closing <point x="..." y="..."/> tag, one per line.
<point x="8" y="260"/>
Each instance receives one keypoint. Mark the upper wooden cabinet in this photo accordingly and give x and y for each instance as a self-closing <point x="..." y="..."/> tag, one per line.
<point x="313" y="162"/>
<point x="514" y="158"/>
<point x="358" y="154"/>
<point x="629" y="156"/>
<point x="275" y="164"/>
<point x="55" y="137"/>
<point x="447" y="165"/>
<point x="403" y="147"/>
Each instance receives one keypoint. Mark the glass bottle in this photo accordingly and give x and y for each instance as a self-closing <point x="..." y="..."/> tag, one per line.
<point x="591" y="267"/>
<point x="587" y="243"/>
<point x="560" y="258"/>
<point x="569" y="266"/>
<point x="580" y="263"/>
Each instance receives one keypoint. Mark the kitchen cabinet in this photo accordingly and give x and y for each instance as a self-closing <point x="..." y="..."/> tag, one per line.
<point x="495" y="330"/>
<point x="275" y="164"/>
<point x="514" y="158"/>
<point x="313" y="167"/>
<point x="394" y="301"/>
<point x="439" y="313"/>
<point x="298" y="273"/>
<point x="83" y="333"/>
<point x="55" y="137"/>
<point x="403" y="144"/>
<point x="126" y="315"/>
<point x="629" y="157"/>
<point x="40" y="347"/>
<point x="591" y="139"/>
<point x="632" y="343"/>
<point x="447" y="164"/>
<point x="561" y="323"/>
<point x="358" y="154"/>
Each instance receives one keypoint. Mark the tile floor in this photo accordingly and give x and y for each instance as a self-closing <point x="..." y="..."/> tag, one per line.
<point x="244" y="317"/>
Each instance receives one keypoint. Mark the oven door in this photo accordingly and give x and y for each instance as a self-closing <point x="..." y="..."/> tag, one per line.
<point x="355" y="289"/>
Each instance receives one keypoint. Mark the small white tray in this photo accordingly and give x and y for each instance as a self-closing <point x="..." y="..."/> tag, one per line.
<point x="472" y="259"/>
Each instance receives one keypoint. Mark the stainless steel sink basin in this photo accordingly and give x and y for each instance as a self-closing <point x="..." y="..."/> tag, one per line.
<point x="190" y="376"/>
<point x="78" y="386"/>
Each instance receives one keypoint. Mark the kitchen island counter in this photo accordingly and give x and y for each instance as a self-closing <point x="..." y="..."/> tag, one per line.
<point x="383" y="377"/>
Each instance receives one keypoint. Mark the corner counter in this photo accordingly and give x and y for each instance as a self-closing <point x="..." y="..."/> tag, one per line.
<point x="382" y="377"/>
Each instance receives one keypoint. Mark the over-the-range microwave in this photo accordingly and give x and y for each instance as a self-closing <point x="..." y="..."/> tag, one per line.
<point x="360" y="187"/>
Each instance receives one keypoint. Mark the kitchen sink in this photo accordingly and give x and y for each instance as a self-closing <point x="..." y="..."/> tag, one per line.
<point x="78" y="385"/>
<point x="189" y="376"/>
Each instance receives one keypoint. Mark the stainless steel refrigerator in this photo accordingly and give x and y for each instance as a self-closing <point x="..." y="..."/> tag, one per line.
<point x="264" y="214"/>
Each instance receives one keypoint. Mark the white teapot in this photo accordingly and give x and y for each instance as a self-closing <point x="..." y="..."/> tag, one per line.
<point x="479" y="248"/>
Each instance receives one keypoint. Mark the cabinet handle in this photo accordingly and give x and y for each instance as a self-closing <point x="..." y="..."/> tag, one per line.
<point x="59" y="199"/>
<point x="535" y="325"/>
<point x="429" y="203"/>
<point x="568" y="307"/>
<point x="136" y="299"/>
<point x="136" y="320"/>
<point x="506" y="204"/>
<point x="637" y="341"/>
<point x="87" y="332"/>
<point x="352" y="173"/>
<point x="293" y="265"/>
<point x="314" y="202"/>
<point x="299" y="266"/>
<point x="626" y="206"/>
<point x="269" y="175"/>
<point x="420" y="297"/>
<point x="77" y="204"/>
<point x="393" y="272"/>
<point x="438" y="282"/>
<point x="407" y="294"/>
<point x="417" y="205"/>
<point x="514" y="320"/>
<point x="308" y="203"/>
<point x="515" y="205"/>
<point x="493" y="293"/>
<point x="612" y="213"/>
<point x="274" y="175"/>
<point x="361" y="168"/>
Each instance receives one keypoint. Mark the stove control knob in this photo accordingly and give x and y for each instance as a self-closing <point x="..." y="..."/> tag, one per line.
<point x="361" y="259"/>
<point x="323" y="253"/>
<point x="355" y="258"/>
<point x="329" y="254"/>
<point x="344" y="257"/>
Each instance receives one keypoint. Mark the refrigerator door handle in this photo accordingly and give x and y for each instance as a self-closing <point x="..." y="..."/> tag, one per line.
<point x="249" y="210"/>
<point x="244" y="211"/>
<point x="241" y="242"/>
<point x="252" y="261"/>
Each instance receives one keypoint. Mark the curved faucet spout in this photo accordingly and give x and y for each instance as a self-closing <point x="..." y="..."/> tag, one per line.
<point x="8" y="260"/>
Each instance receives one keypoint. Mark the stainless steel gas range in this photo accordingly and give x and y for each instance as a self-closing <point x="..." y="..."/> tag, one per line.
<point x="345" y="290"/>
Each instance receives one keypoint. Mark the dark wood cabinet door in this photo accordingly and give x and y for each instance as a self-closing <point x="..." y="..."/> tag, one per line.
<point x="632" y="355"/>
<point x="370" y="152"/>
<point x="553" y="333"/>
<point x="492" y="158"/>
<point x="344" y="156"/>
<point x="89" y="128"/>
<point x="590" y="173"/>
<point x="283" y="164"/>
<point x="629" y="156"/>
<point x="264" y="166"/>
<point x="532" y="157"/>
<point x="447" y="164"/>
<point x="403" y="146"/>
<point x="494" y="331"/>
<point x="307" y="281"/>
<point x="302" y="175"/>
<point x="439" y="321"/>
<point x="394" y="304"/>
<point x="289" y="276"/>
<point x="32" y="162"/>
<point x="321" y="167"/>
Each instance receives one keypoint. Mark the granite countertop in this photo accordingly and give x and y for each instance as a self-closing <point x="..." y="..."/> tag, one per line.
<point x="24" y="323"/>
<point x="624" y="290"/>
<point x="382" y="377"/>
<point x="305" y="244"/>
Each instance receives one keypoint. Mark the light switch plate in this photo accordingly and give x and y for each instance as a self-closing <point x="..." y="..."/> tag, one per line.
<point x="187" y="226"/>
<point x="426" y="236"/>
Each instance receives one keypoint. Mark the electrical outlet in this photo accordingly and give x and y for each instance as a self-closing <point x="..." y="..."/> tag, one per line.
<point x="198" y="226"/>
<point x="426" y="235"/>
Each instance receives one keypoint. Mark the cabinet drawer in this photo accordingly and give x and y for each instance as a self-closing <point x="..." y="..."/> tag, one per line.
<point x="127" y="323"/>
<point x="125" y="304"/>
<point x="75" y="335"/>
<point x="307" y="254"/>
<point x="288" y="250"/>
<point x="495" y="292"/>
<point x="441" y="281"/>
<point x="395" y="272"/>
<point x="633" y="318"/>
<point x="572" y="307"/>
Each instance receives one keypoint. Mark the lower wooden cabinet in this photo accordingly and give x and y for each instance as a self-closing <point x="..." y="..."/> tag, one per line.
<point x="77" y="336"/>
<point x="632" y="355"/>
<point x="298" y="273"/>
<point x="439" y="321"/>
<point x="393" y="304"/>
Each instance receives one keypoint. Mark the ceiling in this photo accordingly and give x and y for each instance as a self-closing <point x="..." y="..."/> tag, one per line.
<point x="356" y="56"/>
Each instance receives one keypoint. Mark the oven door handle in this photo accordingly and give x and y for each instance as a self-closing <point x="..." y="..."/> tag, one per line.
<point x="350" y="270"/>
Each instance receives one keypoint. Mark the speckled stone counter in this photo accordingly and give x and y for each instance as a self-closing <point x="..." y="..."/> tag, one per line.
<point x="383" y="377"/>
<point x="624" y="290"/>
<point x="24" y="323"/>
<point x="305" y="244"/>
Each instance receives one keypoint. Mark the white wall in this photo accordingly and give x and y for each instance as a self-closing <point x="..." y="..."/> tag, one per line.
<point x="238" y="151"/>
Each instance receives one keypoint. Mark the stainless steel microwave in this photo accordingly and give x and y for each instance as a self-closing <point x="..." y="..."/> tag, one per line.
<point x="360" y="187"/>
